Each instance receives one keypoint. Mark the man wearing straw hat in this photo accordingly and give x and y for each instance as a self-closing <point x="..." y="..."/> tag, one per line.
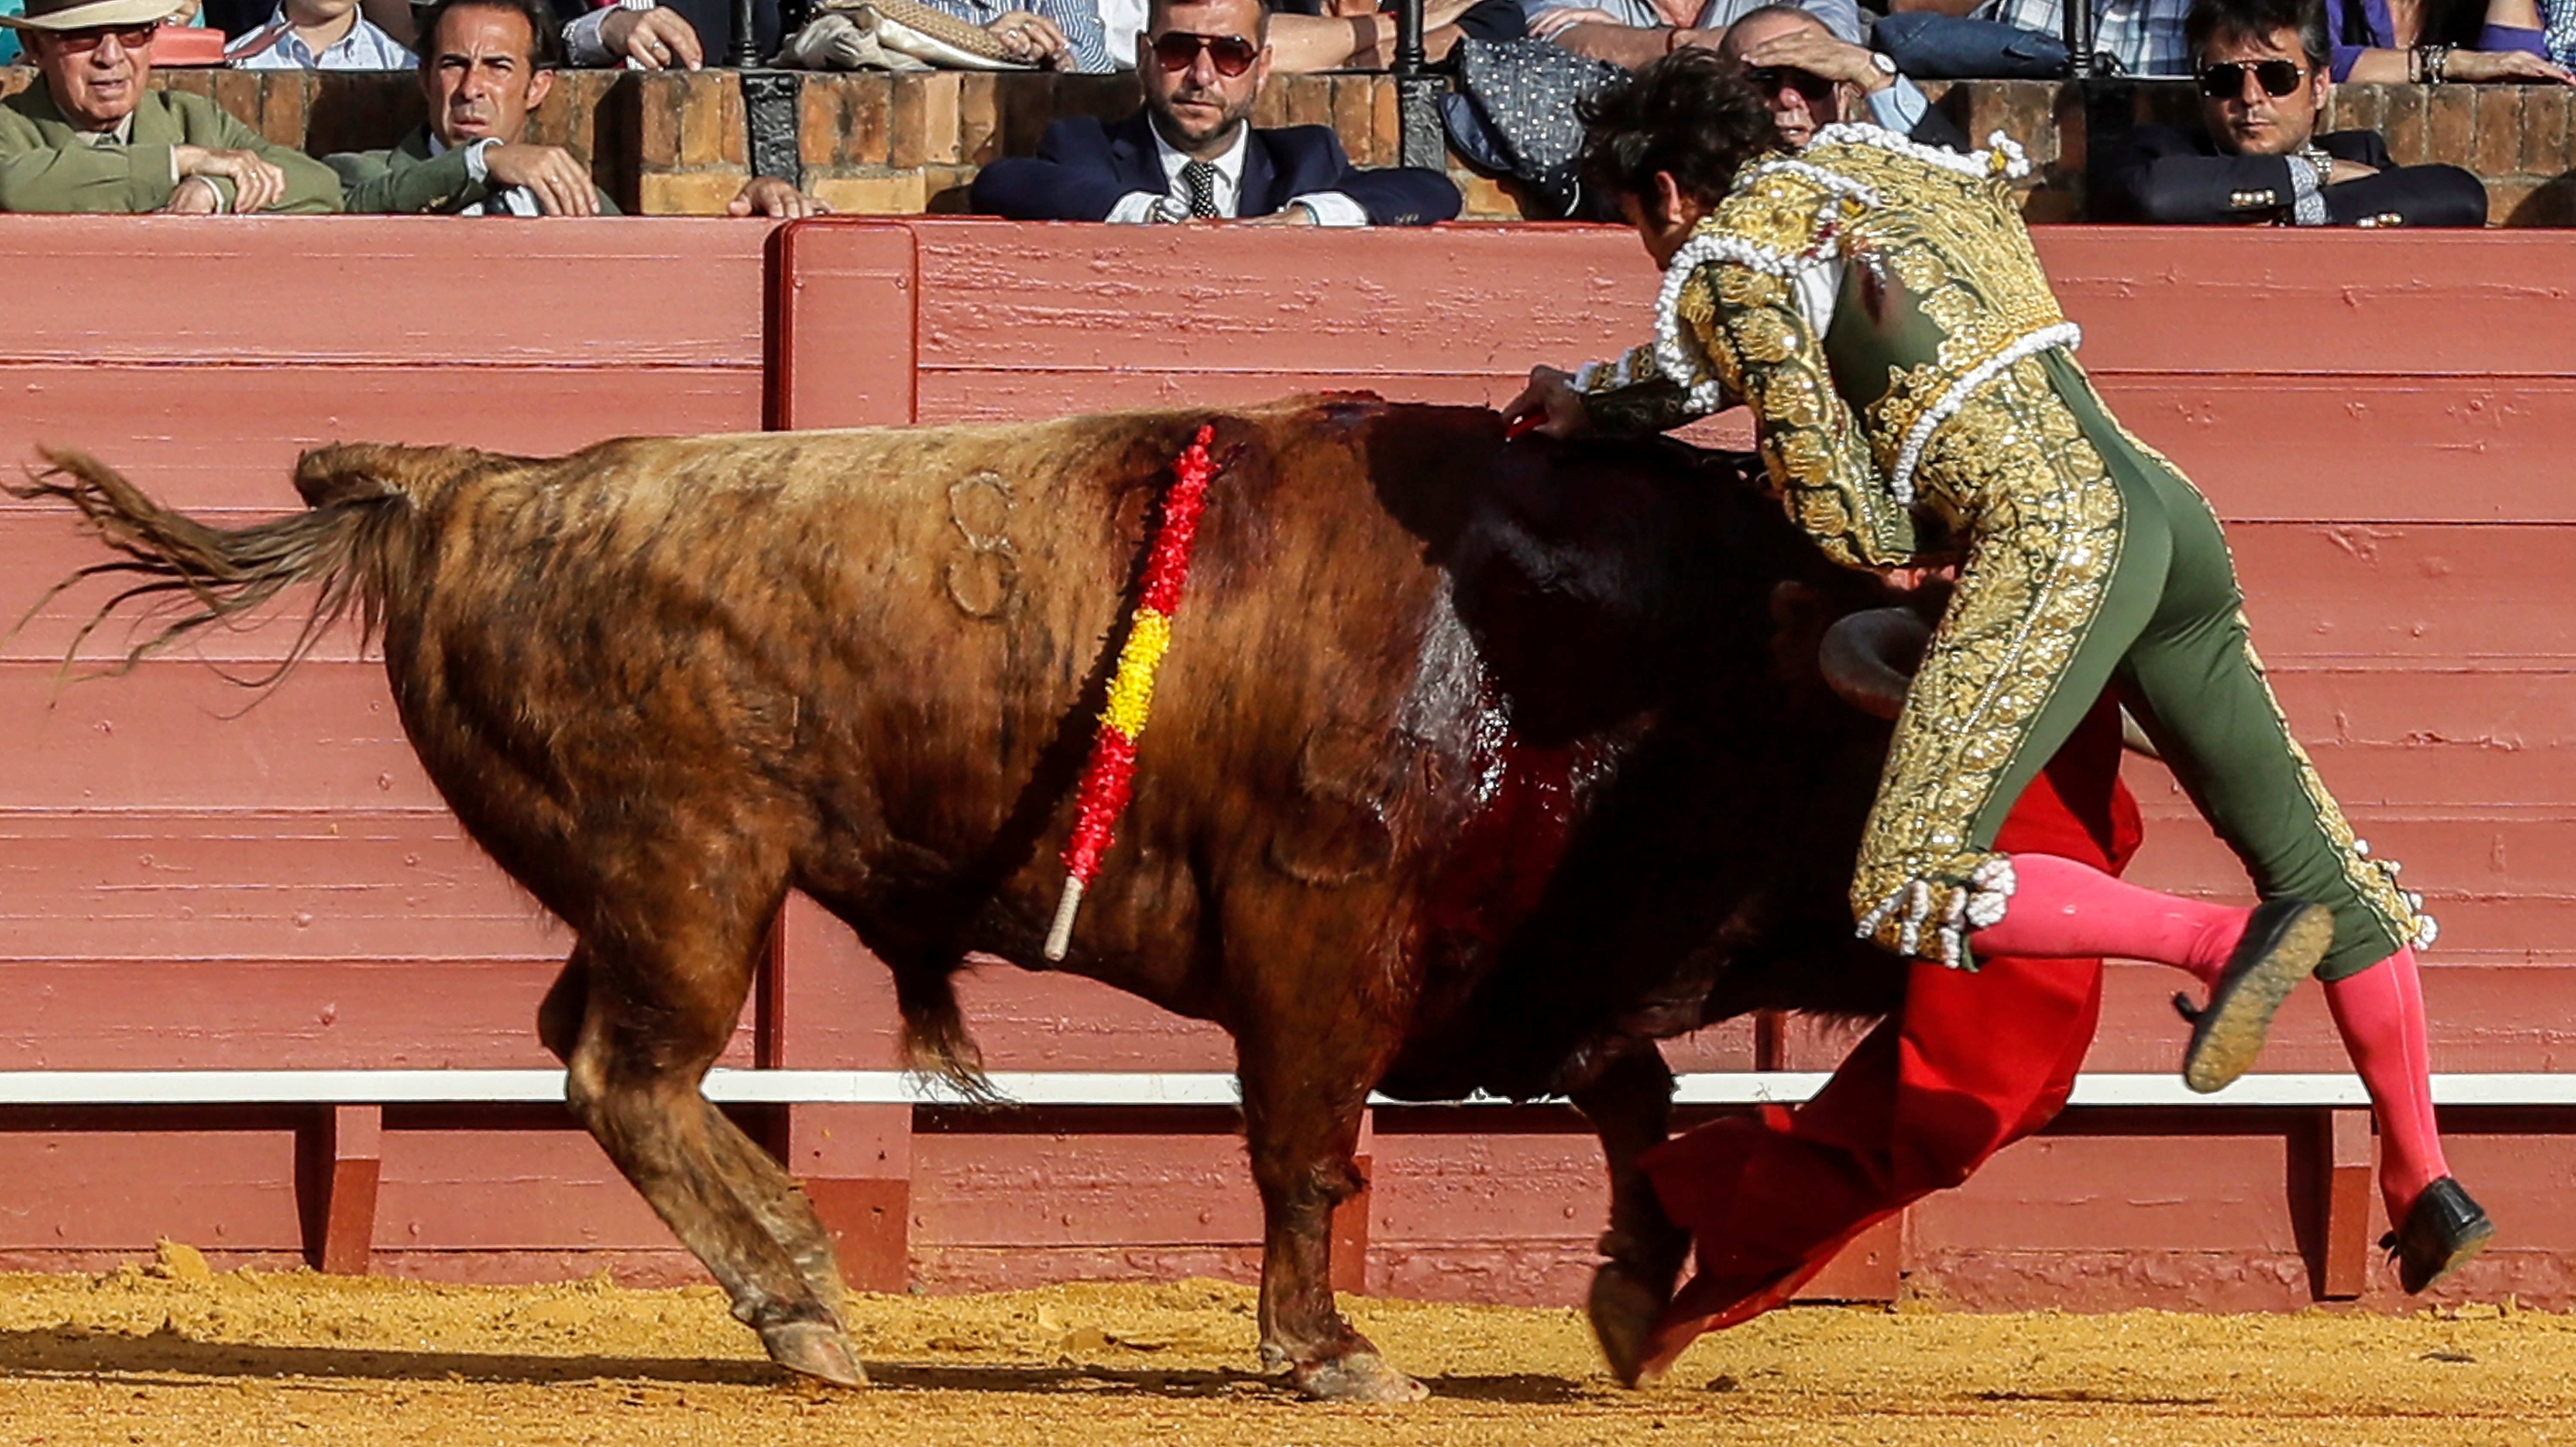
<point x="96" y="137"/>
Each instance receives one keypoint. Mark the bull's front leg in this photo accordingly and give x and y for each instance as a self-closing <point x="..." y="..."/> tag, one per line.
<point x="1631" y="1104"/>
<point x="1303" y="1137"/>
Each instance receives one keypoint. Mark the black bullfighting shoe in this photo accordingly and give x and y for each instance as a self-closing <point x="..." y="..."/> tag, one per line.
<point x="2444" y="1231"/>
<point x="2283" y="942"/>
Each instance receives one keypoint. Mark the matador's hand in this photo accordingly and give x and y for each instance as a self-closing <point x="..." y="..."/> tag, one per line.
<point x="1549" y="405"/>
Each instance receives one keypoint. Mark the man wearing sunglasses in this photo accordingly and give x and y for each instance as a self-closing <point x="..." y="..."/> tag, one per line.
<point x="1813" y="78"/>
<point x="95" y="137"/>
<point x="1192" y="152"/>
<point x="2261" y="72"/>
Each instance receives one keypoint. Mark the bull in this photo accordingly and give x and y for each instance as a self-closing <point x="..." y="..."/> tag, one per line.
<point x="1475" y="767"/>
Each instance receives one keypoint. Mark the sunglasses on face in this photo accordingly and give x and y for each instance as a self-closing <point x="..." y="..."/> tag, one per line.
<point x="1770" y="80"/>
<point x="2226" y="80"/>
<point x="1230" y="54"/>
<point x="131" y="37"/>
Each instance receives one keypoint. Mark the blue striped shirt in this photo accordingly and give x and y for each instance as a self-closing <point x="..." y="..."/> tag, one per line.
<point x="276" y="46"/>
<point x="1086" y="42"/>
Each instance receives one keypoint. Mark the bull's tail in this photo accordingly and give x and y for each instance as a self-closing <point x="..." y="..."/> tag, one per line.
<point x="936" y="1042"/>
<point x="190" y="576"/>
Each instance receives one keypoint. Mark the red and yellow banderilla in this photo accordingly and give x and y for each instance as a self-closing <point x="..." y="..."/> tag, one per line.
<point x="1111" y="774"/>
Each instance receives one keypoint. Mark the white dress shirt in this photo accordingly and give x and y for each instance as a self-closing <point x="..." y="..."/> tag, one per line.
<point x="507" y="201"/>
<point x="1329" y="208"/>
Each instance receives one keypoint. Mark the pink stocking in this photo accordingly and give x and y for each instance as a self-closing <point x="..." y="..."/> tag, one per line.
<point x="2064" y="910"/>
<point x="2380" y="1012"/>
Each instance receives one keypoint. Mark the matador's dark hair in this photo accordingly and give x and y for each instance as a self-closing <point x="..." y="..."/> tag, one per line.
<point x="1688" y="113"/>
<point x="2210" y="20"/>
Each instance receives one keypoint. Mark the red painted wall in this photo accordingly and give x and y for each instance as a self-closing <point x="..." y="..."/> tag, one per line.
<point x="282" y="889"/>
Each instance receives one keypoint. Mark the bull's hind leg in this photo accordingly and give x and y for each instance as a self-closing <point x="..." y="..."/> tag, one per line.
<point x="763" y="1184"/>
<point x="1631" y="1105"/>
<point x="660" y="1001"/>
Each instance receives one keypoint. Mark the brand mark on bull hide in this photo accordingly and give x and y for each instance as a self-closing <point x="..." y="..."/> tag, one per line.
<point x="984" y="571"/>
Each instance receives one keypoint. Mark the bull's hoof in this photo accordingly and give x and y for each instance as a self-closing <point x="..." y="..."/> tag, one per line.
<point x="1624" y="1311"/>
<point x="1357" y="1377"/>
<point x="817" y="1349"/>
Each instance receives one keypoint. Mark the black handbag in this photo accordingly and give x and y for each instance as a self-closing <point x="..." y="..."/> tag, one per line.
<point x="1513" y="115"/>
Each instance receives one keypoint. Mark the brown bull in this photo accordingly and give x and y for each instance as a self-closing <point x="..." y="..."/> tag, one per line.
<point x="1474" y="766"/>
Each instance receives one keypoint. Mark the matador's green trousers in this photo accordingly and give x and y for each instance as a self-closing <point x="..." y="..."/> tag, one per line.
<point x="2092" y="564"/>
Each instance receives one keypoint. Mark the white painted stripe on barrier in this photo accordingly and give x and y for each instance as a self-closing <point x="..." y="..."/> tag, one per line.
<point x="1101" y="1088"/>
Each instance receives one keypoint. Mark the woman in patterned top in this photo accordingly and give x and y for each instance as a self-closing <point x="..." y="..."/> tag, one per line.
<point x="1916" y="400"/>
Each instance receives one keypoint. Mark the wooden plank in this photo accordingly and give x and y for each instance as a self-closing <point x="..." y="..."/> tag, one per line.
<point x="121" y="884"/>
<point x="1047" y="1021"/>
<point x="2358" y="449"/>
<point x="458" y="1188"/>
<point x="272" y="1014"/>
<point x="603" y="294"/>
<point x="1146" y="1188"/>
<point x="845" y="332"/>
<point x="75" y="1187"/>
<point x="2409" y="595"/>
<point x="1480" y="301"/>
<point x="205" y="435"/>
<point x="2198" y="299"/>
<point x="175" y="735"/>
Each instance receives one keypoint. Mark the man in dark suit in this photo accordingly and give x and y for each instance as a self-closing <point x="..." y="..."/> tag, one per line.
<point x="2261" y="67"/>
<point x="1192" y="152"/>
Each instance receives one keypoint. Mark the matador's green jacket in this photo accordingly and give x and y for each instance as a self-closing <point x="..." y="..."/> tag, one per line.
<point x="1879" y="307"/>
<point x="45" y="165"/>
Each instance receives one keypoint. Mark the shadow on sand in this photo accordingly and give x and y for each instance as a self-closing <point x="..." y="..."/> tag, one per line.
<point x="167" y="1358"/>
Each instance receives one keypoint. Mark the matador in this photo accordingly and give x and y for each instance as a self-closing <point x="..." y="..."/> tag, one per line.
<point x="1879" y="308"/>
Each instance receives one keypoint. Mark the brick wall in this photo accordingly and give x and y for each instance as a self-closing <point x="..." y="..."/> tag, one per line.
<point x="878" y="144"/>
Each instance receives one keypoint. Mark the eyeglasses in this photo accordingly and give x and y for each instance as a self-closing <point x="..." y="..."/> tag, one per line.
<point x="1179" y="50"/>
<point x="2226" y="80"/>
<point x="131" y="37"/>
<point x="1770" y="80"/>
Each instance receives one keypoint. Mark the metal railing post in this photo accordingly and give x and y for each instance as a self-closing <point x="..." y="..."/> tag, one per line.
<point x="1419" y="141"/>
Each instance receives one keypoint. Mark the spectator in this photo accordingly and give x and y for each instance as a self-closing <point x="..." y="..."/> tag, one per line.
<point x="1813" y="79"/>
<point x="94" y="136"/>
<point x="650" y="36"/>
<point x="1192" y="152"/>
<point x="2262" y="69"/>
<point x="484" y="65"/>
<point x="622" y="32"/>
<point x="1059" y="34"/>
<point x="1311" y="35"/>
<point x="318" y="35"/>
<point x="2432" y="44"/>
<point x="1637" y="33"/>
<point x="2025" y="39"/>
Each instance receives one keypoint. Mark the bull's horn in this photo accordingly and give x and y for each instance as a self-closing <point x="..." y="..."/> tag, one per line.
<point x="1868" y="658"/>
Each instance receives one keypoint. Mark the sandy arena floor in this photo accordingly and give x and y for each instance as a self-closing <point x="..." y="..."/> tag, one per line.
<point x="166" y="1353"/>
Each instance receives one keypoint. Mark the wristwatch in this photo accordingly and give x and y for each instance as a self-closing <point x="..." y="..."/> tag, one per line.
<point x="1884" y="63"/>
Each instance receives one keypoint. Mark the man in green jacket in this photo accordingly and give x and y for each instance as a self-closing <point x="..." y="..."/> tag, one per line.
<point x="484" y="65"/>
<point x="96" y="137"/>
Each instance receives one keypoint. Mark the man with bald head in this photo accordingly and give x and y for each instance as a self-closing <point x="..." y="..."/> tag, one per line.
<point x="1192" y="153"/>
<point x="1813" y="78"/>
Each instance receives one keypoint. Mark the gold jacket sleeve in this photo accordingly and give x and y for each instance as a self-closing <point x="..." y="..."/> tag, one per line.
<point x="1764" y="351"/>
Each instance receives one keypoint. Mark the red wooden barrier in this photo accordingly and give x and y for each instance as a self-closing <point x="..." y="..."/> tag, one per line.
<point x="183" y="888"/>
<point x="2385" y="445"/>
<point x="282" y="888"/>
